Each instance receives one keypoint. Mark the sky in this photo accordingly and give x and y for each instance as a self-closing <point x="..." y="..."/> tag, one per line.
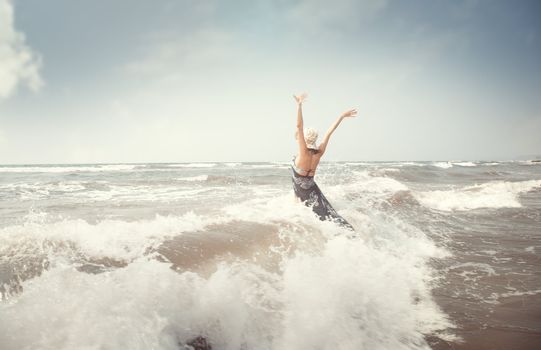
<point x="207" y="80"/>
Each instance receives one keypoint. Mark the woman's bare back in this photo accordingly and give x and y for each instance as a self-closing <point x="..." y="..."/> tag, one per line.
<point x="308" y="162"/>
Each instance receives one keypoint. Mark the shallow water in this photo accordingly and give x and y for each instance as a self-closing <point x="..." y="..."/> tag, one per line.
<point x="447" y="256"/>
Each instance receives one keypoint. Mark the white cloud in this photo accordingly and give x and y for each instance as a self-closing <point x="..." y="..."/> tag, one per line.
<point x="19" y="64"/>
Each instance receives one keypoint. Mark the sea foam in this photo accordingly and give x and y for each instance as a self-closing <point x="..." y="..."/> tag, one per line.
<point x="494" y="194"/>
<point x="68" y="169"/>
<point x="329" y="291"/>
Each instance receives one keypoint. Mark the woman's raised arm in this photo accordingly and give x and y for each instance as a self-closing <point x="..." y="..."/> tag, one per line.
<point x="300" y="124"/>
<point x="323" y="145"/>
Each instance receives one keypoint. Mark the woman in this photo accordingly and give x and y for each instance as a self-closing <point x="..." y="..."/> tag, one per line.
<point x="305" y="164"/>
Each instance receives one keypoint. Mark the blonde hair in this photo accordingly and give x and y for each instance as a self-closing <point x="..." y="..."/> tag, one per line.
<point x="310" y="136"/>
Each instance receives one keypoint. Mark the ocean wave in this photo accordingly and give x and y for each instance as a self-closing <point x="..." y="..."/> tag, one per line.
<point x="473" y="268"/>
<point x="528" y="162"/>
<point x="317" y="298"/>
<point x="465" y="164"/>
<point x="104" y="191"/>
<point x="420" y="164"/>
<point x="390" y="170"/>
<point x="117" y="239"/>
<point x="443" y="165"/>
<point x="365" y="182"/>
<point x="192" y="165"/>
<point x="495" y="194"/>
<point x="382" y="172"/>
<point x="520" y="293"/>
<point x="357" y="163"/>
<point x="45" y="187"/>
<point x="268" y="166"/>
<point x="148" y="193"/>
<point x="70" y="168"/>
<point x="194" y="178"/>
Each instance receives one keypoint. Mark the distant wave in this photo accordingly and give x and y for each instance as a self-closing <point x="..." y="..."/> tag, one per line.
<point x="443" y="165"/>
<point x="194" y="178"/>
<point x="70" y="168"/>
<point x="530" y="162"/>
<point x="61" y="186"/>
<point x="357" y="163"/>
<point x="192" y="165"/>
<point x="103" y="191"/>
<point x="466" y="164"/>
<point x="269" y="165"/>
<point x="365" y="182"/>
<point x="496" y="194"/>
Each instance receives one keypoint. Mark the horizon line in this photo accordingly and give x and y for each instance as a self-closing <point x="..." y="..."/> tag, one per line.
<point x="276" y="161"/>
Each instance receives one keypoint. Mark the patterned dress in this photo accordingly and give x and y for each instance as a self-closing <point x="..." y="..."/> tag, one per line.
<point x="309" y="193"/>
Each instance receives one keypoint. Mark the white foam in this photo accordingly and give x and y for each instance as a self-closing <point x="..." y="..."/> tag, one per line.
<point x="409" y="164"/>
<point x="476" y="267"/>
<point x="77" y="190"/>
<point x="465" y="164"/>
<point x="147" y="193"/>
<point x="443" y="165"/>
<point x="347" y="296"/>
<point x="192" y="165"/>
<point x="70" y="169"/>
<point x="518" y="293"/>
<point x="356" y="163"/>
<point x="353" y="283"/>
<point x="194" y="178"/>
<point x="366" y="183"/>
<point x="61" y="186"/>
<point x="489" y="252"/>
<point x="390" y="170"/>
<point x="529" y="162"/>
<point x="496" y="194"/>
<point x="329" y="292"/>
<point x="121" y="240"/>
<point x="269" y="166"/>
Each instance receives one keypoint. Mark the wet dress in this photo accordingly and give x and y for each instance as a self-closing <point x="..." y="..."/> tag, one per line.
<point x="309" y="193"/>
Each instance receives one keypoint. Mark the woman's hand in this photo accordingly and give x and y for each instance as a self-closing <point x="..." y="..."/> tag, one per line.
<point x="350" y="113"/>
<point x="300" y="99"/>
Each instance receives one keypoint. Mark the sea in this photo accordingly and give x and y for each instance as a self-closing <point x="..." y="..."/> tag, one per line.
<point x="445" y="255"/>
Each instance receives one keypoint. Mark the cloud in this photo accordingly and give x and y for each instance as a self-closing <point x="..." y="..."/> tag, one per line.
<point x="19" y="64"/>
<point x="320" y="15"/>
<point x="214" y="38"/>
<point x="198" y="48"/>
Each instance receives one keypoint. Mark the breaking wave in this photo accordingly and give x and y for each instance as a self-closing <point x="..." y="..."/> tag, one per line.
<point x="495" y="194"/>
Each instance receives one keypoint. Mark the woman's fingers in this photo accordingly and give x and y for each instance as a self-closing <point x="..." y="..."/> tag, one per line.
<point x="300" y="98"/>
